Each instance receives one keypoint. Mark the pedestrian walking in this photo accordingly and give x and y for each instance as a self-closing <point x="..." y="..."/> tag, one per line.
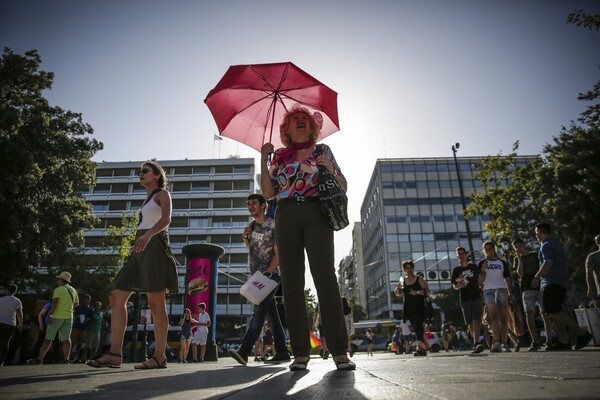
<point x="60" y="319"/>
<point x="151" y="268"/>
<point x="552" y="279"/>
<point x="414" y="289"/>
<point x="465" y="279"/>
<point x="494" y="278"/>
<point x="260" y="237"/>
<point x="11" y="319"/>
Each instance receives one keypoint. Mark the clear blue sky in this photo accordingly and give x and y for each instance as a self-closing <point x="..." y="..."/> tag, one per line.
<point x="413" y="77"/>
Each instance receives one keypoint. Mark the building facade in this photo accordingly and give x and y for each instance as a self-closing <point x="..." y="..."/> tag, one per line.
<point x="412" y="210"/>
<point x="209" y="205"/>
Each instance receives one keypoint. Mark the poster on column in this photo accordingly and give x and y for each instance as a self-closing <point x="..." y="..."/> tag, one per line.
<point x="198" y="284"/>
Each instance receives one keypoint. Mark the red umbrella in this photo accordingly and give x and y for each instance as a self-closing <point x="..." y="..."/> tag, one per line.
<point x="250" y="99"/>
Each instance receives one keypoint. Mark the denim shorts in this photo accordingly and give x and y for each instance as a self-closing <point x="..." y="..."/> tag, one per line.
<point x="531" y="298"/>
<point x="496" y="296"/>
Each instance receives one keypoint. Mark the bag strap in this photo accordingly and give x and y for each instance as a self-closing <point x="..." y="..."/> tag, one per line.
<point x="70" y="294"/>
<point x="319" y="149"/>
<point x="150" y="196"/>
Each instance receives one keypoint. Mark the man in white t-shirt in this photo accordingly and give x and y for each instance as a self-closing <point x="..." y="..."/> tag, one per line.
<point x="11" y="317"/>
<point x="201" y="335"/>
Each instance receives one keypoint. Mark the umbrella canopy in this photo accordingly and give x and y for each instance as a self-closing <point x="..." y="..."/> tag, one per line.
<point x="249" y="101"/>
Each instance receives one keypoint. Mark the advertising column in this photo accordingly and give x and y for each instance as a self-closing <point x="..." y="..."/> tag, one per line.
<point x="201" y="286"/>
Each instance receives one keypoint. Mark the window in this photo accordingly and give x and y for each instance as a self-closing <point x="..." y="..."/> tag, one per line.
<point x="120" y="188"/>
<point x="241" y="185"/>
<point x="222" y="203"/>
<point x="221" y="222"/>
<point x="241" y="169"/>
<point x="239" y="221"/>
<point x="425" y="218"/>
<point x="179" y="222"/>
<point x="103" y="172"/>
<point x="239" y="203"/>
<point x="116" y="222"/>
<point x="199" y="204"/>
<point x="100" y="206"/>
<point x="123" y="172"/>
<point x="238" y="258"/>
<point x="117" y="206"/>
<point x="94" y="241"/>
<point x="181" y="186"/>
<point x="180" y="204"/>
<point x="198" y="222"/>
<point x="183" y="171"/>
<point x="135" y="204"/>
<point x="223" y="169"/>
<point x="102" y="188"/>
<point x="196" y="239"/>
<point x="222" y="185"/>
<point x="220" y="239"/>
<point x="200" y="186"/>
<point x="201" y="171"/>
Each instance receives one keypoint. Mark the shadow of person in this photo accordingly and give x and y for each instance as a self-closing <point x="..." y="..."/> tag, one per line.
<point x="305" y="385"/>
<point x="125" y="383"/>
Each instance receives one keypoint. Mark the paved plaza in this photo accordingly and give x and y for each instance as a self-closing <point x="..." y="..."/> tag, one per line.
<point x="523" y="375"/>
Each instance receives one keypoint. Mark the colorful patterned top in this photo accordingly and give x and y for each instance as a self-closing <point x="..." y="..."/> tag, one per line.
<point x="299" y="178"/>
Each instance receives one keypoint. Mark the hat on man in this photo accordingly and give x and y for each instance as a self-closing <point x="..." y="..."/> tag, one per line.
<point x="65" y="276"/>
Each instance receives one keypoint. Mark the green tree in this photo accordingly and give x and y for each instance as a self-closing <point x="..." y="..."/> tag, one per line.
<point x="45" y="159"/>
<point x="93" y="274"/>
<point x="509" y="197"/>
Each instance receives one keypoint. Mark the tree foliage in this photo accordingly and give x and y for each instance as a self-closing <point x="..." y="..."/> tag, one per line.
<point x="507" y="199"/>
<point x="93" y="274"/>
<point x="45" y="159"/>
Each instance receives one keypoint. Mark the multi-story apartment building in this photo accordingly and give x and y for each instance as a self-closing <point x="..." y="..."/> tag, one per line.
<point x="209" y="205"/>
<point x="412" y="210"/>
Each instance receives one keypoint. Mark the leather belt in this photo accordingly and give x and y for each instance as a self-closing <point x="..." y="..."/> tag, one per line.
<point x="297" y="200"/>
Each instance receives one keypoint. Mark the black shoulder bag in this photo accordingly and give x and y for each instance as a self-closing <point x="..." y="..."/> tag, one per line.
<point x="333" y="201"/>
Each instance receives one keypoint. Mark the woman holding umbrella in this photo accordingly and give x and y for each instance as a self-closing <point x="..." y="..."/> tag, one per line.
<point x="293" y="177"/>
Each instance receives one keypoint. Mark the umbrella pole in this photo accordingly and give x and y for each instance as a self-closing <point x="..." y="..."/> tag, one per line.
<point x="273" y="105"/>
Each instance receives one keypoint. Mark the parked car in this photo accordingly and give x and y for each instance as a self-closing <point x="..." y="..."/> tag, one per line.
<point x="378" y="344"/>
<point x="433" y="344"/>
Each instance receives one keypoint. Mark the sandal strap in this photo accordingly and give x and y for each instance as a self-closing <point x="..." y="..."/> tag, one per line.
<point x="110" y="353"/>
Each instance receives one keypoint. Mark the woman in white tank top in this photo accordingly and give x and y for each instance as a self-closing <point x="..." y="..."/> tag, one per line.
<point x="151" y="268"/>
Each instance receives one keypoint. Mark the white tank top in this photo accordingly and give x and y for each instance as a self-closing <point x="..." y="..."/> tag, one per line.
<point x="151" y="214"/>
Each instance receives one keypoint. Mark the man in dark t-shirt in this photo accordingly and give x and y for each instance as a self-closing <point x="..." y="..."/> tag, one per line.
<point x="465" y="280"/>
<point x="528" y="263"/>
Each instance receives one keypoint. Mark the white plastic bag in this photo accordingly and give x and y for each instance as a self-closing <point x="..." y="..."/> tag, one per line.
<point x="257" y="287"/>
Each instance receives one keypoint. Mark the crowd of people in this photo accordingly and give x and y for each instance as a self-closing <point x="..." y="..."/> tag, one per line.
<point x="277" y="248"/>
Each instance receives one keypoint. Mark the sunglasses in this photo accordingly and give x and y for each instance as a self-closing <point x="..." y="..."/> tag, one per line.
<point x="144" y="171"/>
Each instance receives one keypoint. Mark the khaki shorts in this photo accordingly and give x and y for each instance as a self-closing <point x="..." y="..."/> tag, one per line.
<point x="61" y="326"/>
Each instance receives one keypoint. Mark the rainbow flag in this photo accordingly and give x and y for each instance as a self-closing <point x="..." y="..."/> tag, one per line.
<point x="314" y="341"/>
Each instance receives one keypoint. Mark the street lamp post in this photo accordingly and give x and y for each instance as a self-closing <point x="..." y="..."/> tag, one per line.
<point x="462" y="199"/>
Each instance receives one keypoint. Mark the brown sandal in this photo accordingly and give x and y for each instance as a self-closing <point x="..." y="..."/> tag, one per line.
<point x="156" y="365"/>
<point x="96" y="363"/>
